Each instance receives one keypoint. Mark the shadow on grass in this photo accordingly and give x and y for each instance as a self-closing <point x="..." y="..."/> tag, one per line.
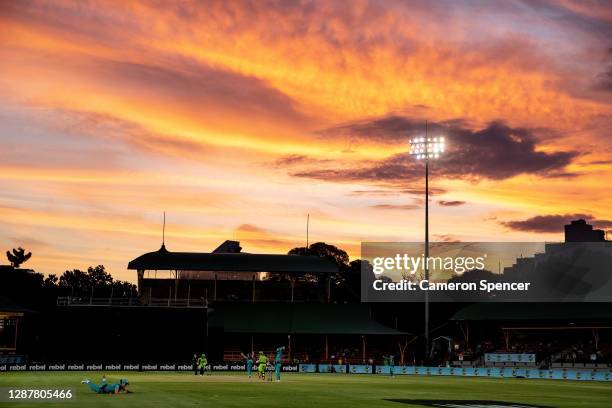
<point x="465" y="403"/>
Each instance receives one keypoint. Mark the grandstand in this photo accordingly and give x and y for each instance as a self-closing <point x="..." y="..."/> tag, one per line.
<point x="11" y="316"/>
<point x="314" y="332"/>
<point x="537" y="335"/>
<point x="258" y="301"/>
<point x="226" y="274"/>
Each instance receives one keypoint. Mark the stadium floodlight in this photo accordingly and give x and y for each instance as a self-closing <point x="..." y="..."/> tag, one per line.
<point x="427" y="148"/>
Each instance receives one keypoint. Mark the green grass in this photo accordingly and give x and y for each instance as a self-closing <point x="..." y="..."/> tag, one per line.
<point x="309" y="390"/>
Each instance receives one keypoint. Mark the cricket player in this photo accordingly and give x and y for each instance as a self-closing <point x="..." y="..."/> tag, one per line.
<point x="278" y="362"/>
<point x="194" y="363"/>
<point x="106" y="388"/>
<point x="202" y="363"/>
<point x="392" y="364"/>
<point x="249" y="363"/>
<point x="262" y="361"/>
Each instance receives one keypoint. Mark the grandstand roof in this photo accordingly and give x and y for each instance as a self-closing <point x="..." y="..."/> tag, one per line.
<point x="535" y="311"/>
<point x="234" y="262"/>
<point x="301" y="318"/>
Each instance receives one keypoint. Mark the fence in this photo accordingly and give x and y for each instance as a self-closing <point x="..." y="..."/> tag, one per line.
<point x="350" y="369"/>
<point x="129" y="302"/>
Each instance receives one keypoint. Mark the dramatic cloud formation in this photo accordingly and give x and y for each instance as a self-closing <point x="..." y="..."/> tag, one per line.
<point x="553" y="223"/>
<point x="396" y="206"/>
<point x="495" y="152"/>
<point x="452" y="203"/>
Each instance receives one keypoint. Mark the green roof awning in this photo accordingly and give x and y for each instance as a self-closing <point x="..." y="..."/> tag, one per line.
<point x="535" y="311"/>
<point x="300" y="318"/>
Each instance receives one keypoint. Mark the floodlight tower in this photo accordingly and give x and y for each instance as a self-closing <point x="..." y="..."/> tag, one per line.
<point x="426" y="148"/>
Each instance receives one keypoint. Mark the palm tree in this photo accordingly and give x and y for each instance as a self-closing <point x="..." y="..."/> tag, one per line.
<point x="18" y="257"/>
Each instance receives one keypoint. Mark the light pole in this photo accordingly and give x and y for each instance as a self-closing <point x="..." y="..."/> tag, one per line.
<point x="426" y="148"/>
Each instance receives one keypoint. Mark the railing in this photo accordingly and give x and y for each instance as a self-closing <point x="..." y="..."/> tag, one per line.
<point x="236" y="356"/>
<point x="170" y="302"/>
<point x="129" y="302"/>
<point x="96" y="301"/>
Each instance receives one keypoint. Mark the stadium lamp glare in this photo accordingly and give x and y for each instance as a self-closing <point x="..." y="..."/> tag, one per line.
<point x="427" y="148"/>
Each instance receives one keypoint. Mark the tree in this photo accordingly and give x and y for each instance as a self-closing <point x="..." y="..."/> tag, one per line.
<point x="347" y="279"/>
<point x="18" y="256"/>
<point x="331" y="252"/>
<point x="98" y="276"/>
<point x="96" y="279"/>
<point x="51" y="281"/>
<point x="124" y="289"/>
<point x="75" y="279"/>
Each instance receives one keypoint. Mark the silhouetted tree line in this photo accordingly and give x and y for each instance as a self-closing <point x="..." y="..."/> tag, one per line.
<point x="34" y="290"/>
<point x="346" y="283"/>
<point x="95" y="280"/>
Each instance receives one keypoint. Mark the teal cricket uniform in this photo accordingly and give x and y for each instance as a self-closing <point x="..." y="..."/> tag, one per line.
<point x="392" y="365"/>
<point x="277" y="362"/>
<point x="106" y="388"/>
<point x="249" y="366"/>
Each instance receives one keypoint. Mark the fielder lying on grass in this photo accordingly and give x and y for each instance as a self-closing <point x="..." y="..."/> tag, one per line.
<point x="106" y="388"/>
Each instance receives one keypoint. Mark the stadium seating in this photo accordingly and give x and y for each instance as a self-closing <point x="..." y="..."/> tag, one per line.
<point x="12" y="359"/>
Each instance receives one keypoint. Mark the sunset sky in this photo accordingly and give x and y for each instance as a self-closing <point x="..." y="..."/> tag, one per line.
<point x="239" y="118"/>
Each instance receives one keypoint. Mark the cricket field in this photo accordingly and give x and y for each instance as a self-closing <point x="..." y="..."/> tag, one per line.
<point x="312" y="391"/>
